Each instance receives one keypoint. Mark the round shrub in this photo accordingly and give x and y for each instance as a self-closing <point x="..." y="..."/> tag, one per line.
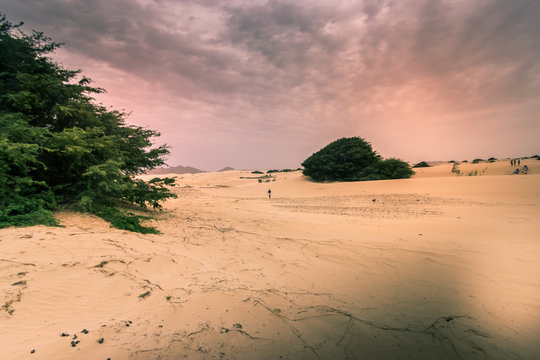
<point x="421" y="165"/>
<point x="352" y="159"/>
<point x="393" y="169"/>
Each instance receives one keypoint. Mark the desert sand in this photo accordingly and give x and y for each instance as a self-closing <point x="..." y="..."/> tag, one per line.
<point x="434" y="267"/>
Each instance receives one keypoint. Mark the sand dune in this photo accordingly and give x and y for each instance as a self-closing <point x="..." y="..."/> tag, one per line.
<point x="435" y="267"/>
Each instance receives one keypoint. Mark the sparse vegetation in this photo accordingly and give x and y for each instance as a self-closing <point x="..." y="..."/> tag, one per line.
<point x="353" y="159"/>
<point x="455" y="169"/>
<point x="492" y="159"/>
<point x="257" y="172"/>
<point x="277" y="171"/>
<point x="476" y="161"/>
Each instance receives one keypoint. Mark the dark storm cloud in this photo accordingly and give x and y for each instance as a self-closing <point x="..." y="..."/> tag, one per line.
<point x="307" y="66"/>
<point x="258" y="48"/>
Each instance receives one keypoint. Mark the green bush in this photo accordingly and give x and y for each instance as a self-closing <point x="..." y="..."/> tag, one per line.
<point x="421" y="165"/>
<point x="278" y="171"/>
<point x="59" y="148"/>
<point x="256" y="172"/>
<point x="492" y="159"/>
<point x="392" y="169"/>
<point x="476" y="161"/>
<point x="353" y="159"/>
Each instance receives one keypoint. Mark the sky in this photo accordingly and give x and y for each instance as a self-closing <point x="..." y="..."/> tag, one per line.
<point x="264" y="84"/>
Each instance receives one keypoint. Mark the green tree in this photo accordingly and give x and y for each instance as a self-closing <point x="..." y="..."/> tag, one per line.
<point x="353" y="159"/>
<point x="59" y="148"/>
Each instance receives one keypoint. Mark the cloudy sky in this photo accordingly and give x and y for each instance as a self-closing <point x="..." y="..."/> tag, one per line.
<point x="264" y="84"/>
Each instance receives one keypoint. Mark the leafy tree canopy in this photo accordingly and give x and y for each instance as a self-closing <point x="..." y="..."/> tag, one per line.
<point x="59" y="148"/>
<point x="353" y="159"/>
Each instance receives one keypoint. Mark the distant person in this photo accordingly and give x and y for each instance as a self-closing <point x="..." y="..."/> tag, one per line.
<point x="519" y="162"/>
<point x="516" y="171"/>
<point x="269" y="194"/>
<point x="511" y="162"/>
<point x="525" y="169"/>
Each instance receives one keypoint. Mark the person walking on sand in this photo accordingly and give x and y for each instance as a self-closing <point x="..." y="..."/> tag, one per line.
<point x="511" y="162"/>
<point x="519" y="162"/>
<point x="269" y="194"/>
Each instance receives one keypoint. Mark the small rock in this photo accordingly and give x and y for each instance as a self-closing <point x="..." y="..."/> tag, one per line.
<point x="142" y="296"/>
<point x="64" y="334"/>
<point x="32" y="351"/>
<point x="101" y="340"/>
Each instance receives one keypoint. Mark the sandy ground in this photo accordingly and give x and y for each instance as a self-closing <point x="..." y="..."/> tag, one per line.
<point x="435" y="267"/>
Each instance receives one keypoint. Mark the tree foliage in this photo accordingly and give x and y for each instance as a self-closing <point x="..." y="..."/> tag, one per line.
<point x="59" y="148"/>
<point x="353" y="159"/>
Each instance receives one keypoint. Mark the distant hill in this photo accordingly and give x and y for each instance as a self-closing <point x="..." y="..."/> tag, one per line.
<point x="176" y="170"/>
<point x="226" y="169"/>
